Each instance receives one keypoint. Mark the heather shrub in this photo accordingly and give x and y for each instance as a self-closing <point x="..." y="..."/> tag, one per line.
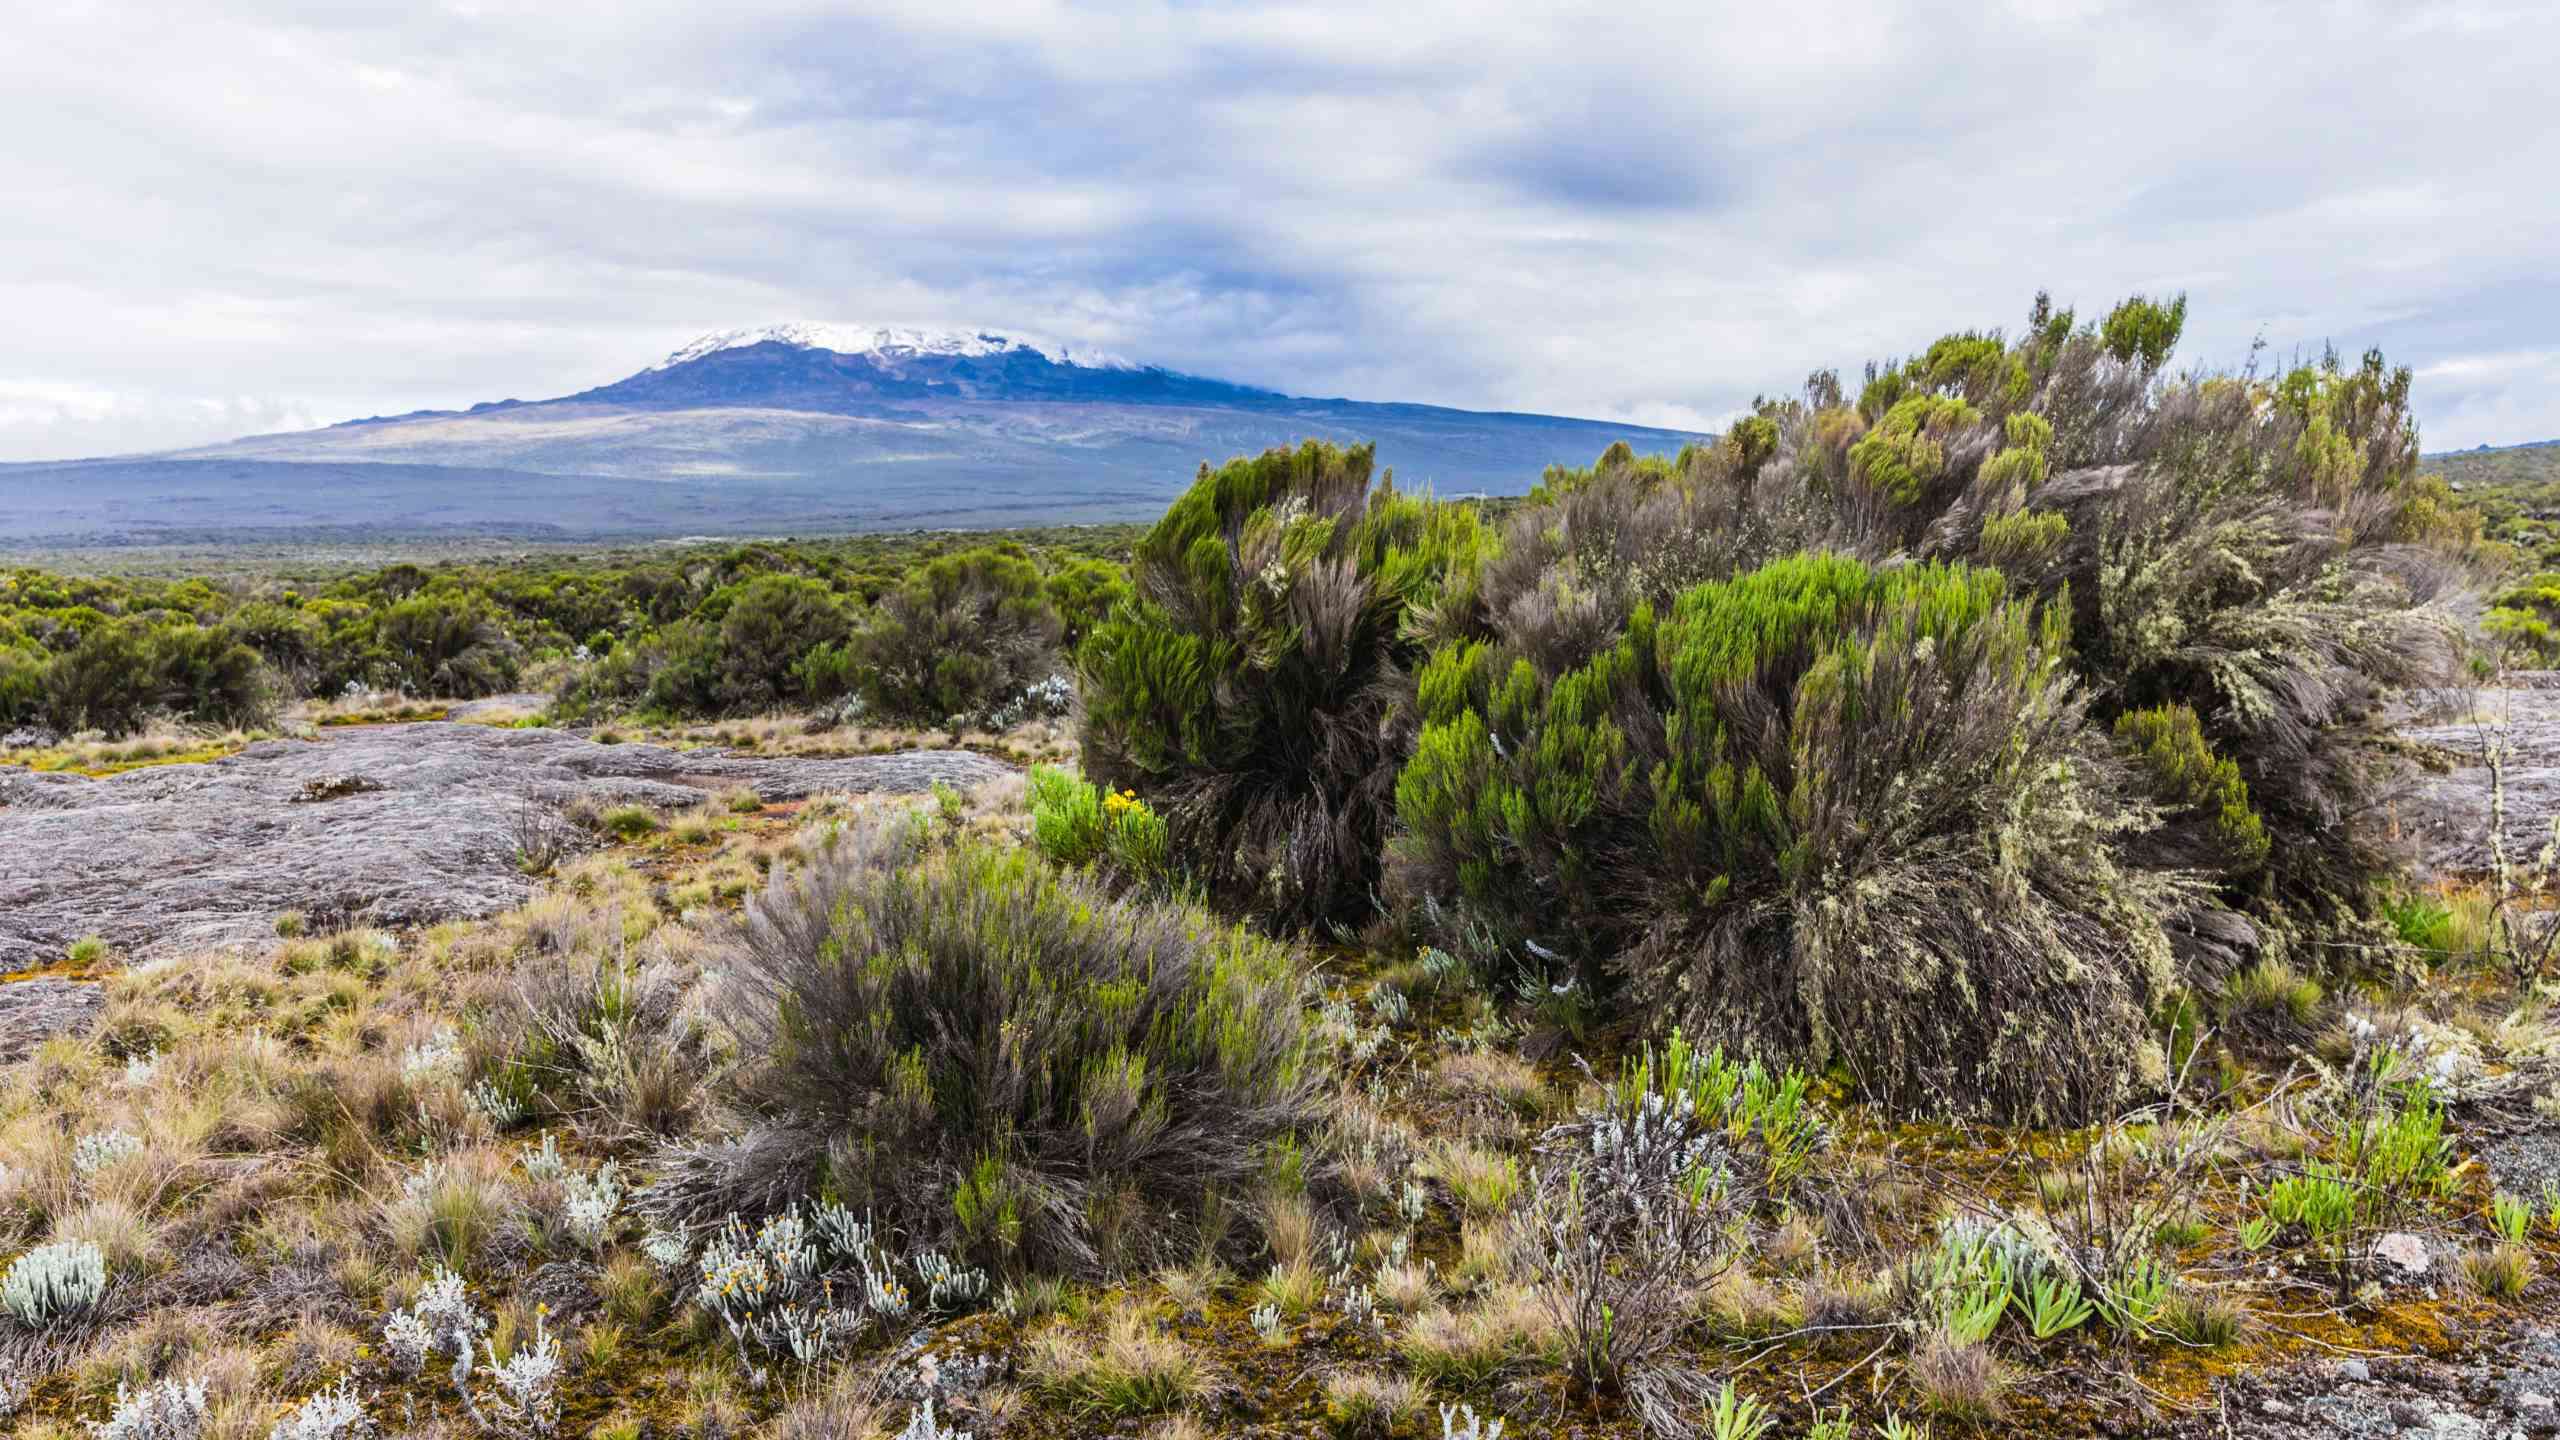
<point x="958" y="637"/>
<point x="1778" y="813"/>
<point x="447" y="643"/>
<point x="2259" y="549"/>
<point x="1255" y="690"/>
<point x="771" y="626"/>
<point x="997" y="1056"/>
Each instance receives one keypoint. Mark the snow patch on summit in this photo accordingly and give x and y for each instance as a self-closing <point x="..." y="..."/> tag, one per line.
<point x="891" y="342"/>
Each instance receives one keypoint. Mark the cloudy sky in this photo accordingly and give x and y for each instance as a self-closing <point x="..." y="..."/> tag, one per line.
<point x="241" y="215"/>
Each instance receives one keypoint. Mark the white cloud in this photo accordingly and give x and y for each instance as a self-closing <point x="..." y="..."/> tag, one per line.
<point x="50" y="420"/>
<point x="1595" y="210"/>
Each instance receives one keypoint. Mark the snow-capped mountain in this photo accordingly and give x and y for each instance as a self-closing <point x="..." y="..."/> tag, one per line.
<point x="889" y="342"/>
<point x="787" y="428"/>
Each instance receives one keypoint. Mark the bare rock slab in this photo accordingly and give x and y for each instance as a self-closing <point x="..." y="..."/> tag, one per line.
<point x="2448" y="814"/>
<point x="388" y="825"/>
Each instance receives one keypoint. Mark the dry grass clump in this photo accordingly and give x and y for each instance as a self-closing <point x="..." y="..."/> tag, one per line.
<point x="1958" y="1380"/>
<point x="1505" y="1078"/>
<point x="1365" y="1405"/>
<point x="1135" y="1367"/>
<point x="1467" y="1347"/>
<point x="1483" y="1182"/>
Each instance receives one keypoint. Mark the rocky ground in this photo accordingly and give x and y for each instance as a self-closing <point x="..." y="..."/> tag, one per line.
<point x="2507" y="1389"/>
<point x="392" y="825"/>
<point x="2447" y="812"/>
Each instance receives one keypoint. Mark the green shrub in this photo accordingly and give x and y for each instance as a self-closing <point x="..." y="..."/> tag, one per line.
<point x="2207" y="799"/>
<point x="447" y="643"/>
<point x="1254" y="690"/>
<point x="1076" y="824"/>
<point x="2259" y="550"/>
<point x="995" y="1054"/>
<point x="1905" y="454"/>
<point x="958" y="638"/>
<point x="1780" y="812"/>
<point x="1084" y="593"/>
<point x="773" y="625"/>
<point x="101" y="683"/>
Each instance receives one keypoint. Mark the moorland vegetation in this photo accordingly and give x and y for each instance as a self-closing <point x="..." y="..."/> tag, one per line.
<point x="1891" y="922"/>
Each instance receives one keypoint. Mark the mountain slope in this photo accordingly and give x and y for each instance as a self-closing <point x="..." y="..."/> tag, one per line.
<point x="777" y="430"/>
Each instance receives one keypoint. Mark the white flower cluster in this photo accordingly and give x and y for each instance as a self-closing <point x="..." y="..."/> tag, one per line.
<point x="666" y="1249"/>
<point x="169" y="1410"/>
<point x="336" y="1414"/>
<point x="1359" y="1304"/>
<point x="99" y="1149"/>
<point x="435" y="1059"/>
<point x="139" y="1069"/>
<point x="546" y="1162"/>
<point x="775" y="1289"/>
<point x="948" y="1286"/>
<point x="441" y="1320"/>
<point x="1040" y="700"/>
<point x="499" y="1108"/>
<point x="527" y="1383"/>
<point x="592" y="1203"/>
<point x="589" y="1202"/>
<point x="54" y="1282"/>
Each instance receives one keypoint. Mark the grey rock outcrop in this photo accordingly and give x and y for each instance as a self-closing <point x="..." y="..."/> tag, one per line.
<point x="2447" y="813"/>
<point x="389" y="825"/>
<point x="31" y="1010"/>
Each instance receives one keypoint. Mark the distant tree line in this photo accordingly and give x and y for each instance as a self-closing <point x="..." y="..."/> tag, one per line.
<point x="915" y="629"/>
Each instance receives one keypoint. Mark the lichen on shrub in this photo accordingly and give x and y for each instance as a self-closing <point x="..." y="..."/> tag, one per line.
<point x="1254" y="689"/>
<point x="998" y="1057"/>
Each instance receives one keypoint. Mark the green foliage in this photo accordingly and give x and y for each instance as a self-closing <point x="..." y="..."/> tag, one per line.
<point x="1084" y="593"/>
<point x="1253" y="690"/>
<point x="446" y="643"/>
<point x="2022" y="543"/>
<point x="695" y="631"/>
<point x="1775" y="810"/>
<point x="2143" y="332"/>
<point x="959" y="637"/>
<point x="2169" y="748"/>
<point x="774" y="624"/>
<point x="2055" y="1305"/>
<point x="995" y="1053"/>
<point x="1762" y="1112"/>
<point x="1077" y="824"/>
<point x="2525" y="618"/>
<point x="1905" y="454"/>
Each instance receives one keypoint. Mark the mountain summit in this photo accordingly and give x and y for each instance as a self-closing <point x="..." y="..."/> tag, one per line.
<point x="785" y="428"/>
<point x="889" y="343"/>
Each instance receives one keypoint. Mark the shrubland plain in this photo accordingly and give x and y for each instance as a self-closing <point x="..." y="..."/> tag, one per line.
<point x="1929" y="915"/>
